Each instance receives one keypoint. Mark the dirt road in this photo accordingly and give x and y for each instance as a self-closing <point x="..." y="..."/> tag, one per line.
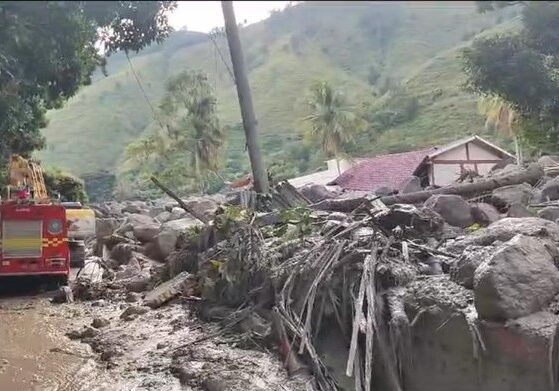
<point x="147" y="351"/>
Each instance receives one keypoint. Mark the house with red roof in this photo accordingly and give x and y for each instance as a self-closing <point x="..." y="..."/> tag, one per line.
<point x="436" y="166"/>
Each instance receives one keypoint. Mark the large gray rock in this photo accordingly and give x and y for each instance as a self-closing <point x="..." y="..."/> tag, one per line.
<point x="550" y="213"/>
<point x="550" y="190"/>
<point x="520" y="278"/>
<point x="177" y="213"/>
<point x="202" y="206"/>
<point x="513" y="194"/>
<point x="415" y="221"/>
<point x="146" y="232"/>
<point x="170" y="233"/>
<point x="463" y="270"/>
<point x="485" y="213"/>
<point x="452" y="208"/>
<point x="163" y="217"/>
<point x="106" y="227"/>
<point x="410" y="185"/>
<point x="504" y="230"/>
<point x="519" y="210"/>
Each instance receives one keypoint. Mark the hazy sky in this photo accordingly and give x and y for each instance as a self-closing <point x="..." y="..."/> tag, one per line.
<point x="205" y="15"/>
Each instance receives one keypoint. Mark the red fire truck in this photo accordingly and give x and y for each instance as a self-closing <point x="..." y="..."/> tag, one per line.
<point x="33" y="230"/>
<point x="34" y="240"/>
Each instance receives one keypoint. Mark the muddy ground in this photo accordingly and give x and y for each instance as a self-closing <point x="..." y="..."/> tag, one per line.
<point x="46" y="346"/>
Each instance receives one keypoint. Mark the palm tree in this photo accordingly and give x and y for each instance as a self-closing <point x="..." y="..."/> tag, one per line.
<point x="501" y="116"/>
<point x="331" y="119"/>
<point x="197" y="130"/>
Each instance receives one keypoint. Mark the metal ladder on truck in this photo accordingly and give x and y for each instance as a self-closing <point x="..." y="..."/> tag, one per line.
<point x="38" y="181"/>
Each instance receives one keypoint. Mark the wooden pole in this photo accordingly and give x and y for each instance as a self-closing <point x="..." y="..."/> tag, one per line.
<point x="259" y="173"/>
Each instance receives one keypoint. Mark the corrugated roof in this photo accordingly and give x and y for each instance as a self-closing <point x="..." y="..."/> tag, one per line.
<point x="384" y="170"/>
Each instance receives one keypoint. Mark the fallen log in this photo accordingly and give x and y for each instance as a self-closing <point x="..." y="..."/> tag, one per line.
<point x="171" y="194"/>
<point x="532" y="174"/>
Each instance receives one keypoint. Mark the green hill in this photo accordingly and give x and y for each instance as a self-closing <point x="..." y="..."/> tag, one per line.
<point x="365" y="49"/>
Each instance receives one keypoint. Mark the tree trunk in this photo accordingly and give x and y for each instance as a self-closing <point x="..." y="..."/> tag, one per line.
<point x="259" y="174"/>
<point x="531" y="175"/>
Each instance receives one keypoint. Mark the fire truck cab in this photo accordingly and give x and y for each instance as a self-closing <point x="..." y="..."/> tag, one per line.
<point x="34" y="239"/>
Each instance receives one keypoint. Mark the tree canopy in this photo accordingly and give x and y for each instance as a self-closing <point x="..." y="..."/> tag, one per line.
<point x="48" y="49"/>
<point x="189" y="148"/>
<point x="521" y="69"/>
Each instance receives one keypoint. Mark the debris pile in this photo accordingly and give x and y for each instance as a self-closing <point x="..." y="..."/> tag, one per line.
<point x="355" y="294"/>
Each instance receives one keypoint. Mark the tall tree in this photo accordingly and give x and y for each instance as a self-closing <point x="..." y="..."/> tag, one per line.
<point x="331" y="119"/>
<point x="48" y="49"/>
<point x="189" y="149"/>
<point x="520" y="69"/>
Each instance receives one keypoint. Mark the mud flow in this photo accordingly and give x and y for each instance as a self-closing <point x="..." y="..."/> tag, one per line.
<point x="35" y="353"/>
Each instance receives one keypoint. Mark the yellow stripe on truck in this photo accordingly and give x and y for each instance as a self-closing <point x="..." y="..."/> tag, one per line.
<point x="21" y="243"/>
<point x="80" y="213"/>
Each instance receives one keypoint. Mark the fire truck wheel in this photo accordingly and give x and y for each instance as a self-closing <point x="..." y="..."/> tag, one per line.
<point x="77" y="255"/>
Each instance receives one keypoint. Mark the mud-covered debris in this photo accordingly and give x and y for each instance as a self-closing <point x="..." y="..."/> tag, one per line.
<point x="86" y="332"/>
<point x="99" y="322"/>
<point x="169" y="289"/>
<point x="64" y="294"/>
<point x="132" y="297"/>
<point x="133" y="311"/>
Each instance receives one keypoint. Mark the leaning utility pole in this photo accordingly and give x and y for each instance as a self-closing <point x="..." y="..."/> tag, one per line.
<point x="259" y="174"/>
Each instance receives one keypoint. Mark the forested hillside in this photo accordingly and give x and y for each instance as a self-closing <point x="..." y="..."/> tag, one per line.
<point x="397" y="63"/>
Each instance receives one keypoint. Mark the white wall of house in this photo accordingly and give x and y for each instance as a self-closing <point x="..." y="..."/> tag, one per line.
<point x="323" y="177"/>
<point x="447" y="167"/>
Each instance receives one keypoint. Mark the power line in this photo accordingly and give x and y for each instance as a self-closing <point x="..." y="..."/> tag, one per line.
<point x="144" y="92"/>
<point x="212" y="38"/>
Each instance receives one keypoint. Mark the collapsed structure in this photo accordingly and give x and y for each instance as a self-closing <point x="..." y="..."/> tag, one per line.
<point x="452" y="288"/>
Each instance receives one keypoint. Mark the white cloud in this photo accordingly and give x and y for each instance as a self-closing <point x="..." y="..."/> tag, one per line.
<point x="204" y="15"/>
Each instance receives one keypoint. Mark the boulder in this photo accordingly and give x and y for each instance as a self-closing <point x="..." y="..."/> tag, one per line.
<point x="415" y="221"/>
<point x="122" y="252"/>
<point x="453" y="209"/>
<point x="146" y="232"/>
<point x="202" y="206"/>
<point x="463" y="270"/>
<point x="131" y="208"/>
<point x="163" y="217"/>
<point x="316" y="193"/>
<point x="410" y="185"/>
<point x="170" y="233"/>
<point x="520" y="278"/>
<point x="519" y="210"/>
<point x="139" y="283"/>
<point x="550" y="190"/>
<point x="484" y="213"/>
<point x="550" y="213"/>
<point x="513" y="194"/>
<point x="177" y="213"/>
<point x="155" y="211"/>
<point x="105" y="227"/>
<point x="505" y="229"/>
